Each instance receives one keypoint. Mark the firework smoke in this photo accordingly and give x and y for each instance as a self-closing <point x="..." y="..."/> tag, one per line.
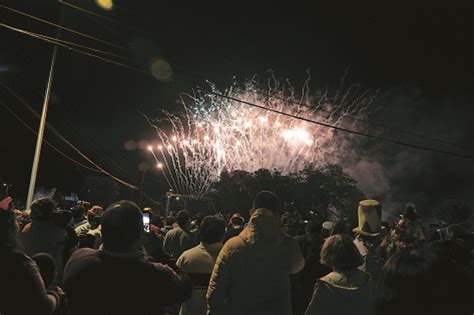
<point x="215" y="134"/>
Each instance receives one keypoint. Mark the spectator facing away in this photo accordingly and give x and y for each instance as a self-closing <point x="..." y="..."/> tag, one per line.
<point x="198" y="262"/>
<point x="118" y="277"/>
<point x="251" y="274"/>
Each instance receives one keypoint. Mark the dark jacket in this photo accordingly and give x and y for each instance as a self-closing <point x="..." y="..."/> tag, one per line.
<point x="22" y="290"/>
<point x="251" y="274"/>
<point x="102" y="282"/>
<point x="43" y="236"/>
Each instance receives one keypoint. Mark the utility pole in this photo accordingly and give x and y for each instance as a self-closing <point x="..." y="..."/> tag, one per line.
<point x="39" y="140"/>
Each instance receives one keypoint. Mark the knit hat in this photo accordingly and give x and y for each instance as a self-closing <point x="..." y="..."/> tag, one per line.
<point x="370" y="218"/>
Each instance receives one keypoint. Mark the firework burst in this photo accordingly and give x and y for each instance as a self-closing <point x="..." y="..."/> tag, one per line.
<point x="214" y="134"/>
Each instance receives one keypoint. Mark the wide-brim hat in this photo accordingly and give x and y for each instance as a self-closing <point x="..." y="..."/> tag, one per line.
<point x="369" y="215"/>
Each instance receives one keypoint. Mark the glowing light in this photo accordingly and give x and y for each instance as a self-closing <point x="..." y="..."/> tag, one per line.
<point x="230" y="143"/>
<point x="296" y="135"/>
<point x="159" y="165"/>
<point x="105" y="4"/>
<point x="160" y="147"/>
<point x="160" y="69"/>
<point x="150" y="148"/>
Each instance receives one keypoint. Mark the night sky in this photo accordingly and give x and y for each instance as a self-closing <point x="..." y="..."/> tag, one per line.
<point x="418" y="54"/>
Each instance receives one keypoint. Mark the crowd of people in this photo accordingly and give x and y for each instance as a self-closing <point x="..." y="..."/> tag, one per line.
<point x="87" y="260"/>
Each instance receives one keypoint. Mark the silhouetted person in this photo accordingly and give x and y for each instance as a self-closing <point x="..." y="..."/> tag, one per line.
<point x="117" y="279"/>
<point x="22" y="290"/>
<point x="310" y="245"/>
<point x="419" y="281"/>
<point x="42" y="235"/>
<point x="180" y="238"/>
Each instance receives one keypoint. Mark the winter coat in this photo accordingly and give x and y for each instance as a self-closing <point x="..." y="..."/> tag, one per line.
<point x="104" y="282"/>
<point x="341" y="293"/>
<point x="44" y="236"/>
<point x="251" y="274"/>
<point x="198" y="262"/>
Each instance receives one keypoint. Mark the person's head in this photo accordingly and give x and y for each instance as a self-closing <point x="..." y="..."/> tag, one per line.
<point x="267" y="200"/>
<point x="62" y="218"/>
<point x="417" y="281"/>
<point x="8" y="229"/>
<point x="122" y="227"/>
<point x="78" y="212"/>
<point x="182" y="218"/>
<point x="410" y="212"/>
<point x="47" y="267"/>
<point x="313" y="228"/>
<point x="94" y="212"/>
<point x="339" y="228"/>
<point x="42" y="209"/>
<point x="340" y="253"/>
<point x="237" y="220"/>
<point x="170" y="221"/>
<point x="212" y="229"/>
<point x="157" y="221"/>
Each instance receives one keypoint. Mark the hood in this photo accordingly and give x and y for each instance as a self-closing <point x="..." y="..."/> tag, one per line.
<point x="264" y="226"/>
<point x="350" y="280"/>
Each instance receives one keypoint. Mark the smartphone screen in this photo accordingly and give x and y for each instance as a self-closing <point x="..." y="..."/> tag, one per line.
<point x="146" y="221"/>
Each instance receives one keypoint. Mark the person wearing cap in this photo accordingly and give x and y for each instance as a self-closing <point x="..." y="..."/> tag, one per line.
<point x="118" y="279"/>
<point x="252" y="272"/>
<point x="369" y="235"/>
<point x="93" y="216"/>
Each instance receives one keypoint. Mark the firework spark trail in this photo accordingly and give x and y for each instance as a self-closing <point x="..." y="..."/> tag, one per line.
<point x="215" y="134"/>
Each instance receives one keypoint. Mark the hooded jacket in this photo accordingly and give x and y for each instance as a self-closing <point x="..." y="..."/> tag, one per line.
<point x="251" y="274"/>
<point x="341" y="293"/>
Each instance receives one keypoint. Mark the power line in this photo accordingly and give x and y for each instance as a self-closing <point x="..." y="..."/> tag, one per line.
<point x="46" y="141"/>
<point x="64" y="28"/>
<point x="61" y="137"/>
<point x="102" y="17"/>
<point x="41" y="37"/>
<point x="339" y="128"/>
<point x="362" y="120"/>
<point x="81" y="46"/>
